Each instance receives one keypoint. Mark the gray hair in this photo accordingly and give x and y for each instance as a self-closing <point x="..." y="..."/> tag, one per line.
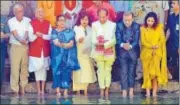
<point x="128" y="13"/>
<point x="17" y="5"/>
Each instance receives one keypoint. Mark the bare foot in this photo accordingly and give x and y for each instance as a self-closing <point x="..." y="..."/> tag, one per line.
<point x="22" y="92"/>
<point x="154" y="94"/>
<point x="65" y="93"/>
<point x="102" y="92"/>
<point x="42" y="93"/>
<point x="107" y="92"/>
<point x="131" y="92"/>
<point x="58" y="94"/>
<point x="85" y="92"/>
<point x="124" y="93"/>
<point x="78" y="92"/>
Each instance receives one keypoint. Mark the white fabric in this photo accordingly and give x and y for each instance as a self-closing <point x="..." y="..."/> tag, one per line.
<point x="71" y="23"/>
<point x="40" y="75"/>
<point x="80" y="32"/>
<point x="36" y="64"/>
<point x="32" y="37"/>
<point x="20" y="27"/>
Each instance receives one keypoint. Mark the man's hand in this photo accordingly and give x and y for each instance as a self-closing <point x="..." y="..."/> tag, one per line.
<point x="39" y="34"/>
<point x="81" y="39"/>
<point x="23" y="42"/>
<point x="68" y="15"/>
<point x="155" y="47"/>
<point x="126" y="46"/>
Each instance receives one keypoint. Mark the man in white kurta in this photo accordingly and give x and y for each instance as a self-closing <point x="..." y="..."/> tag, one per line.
<point x="39" y="51"/>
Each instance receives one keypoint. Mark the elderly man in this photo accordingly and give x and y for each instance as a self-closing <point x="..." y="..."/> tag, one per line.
<point x="19" y="49"/>
<point x="39" y="51"/>
<point x="127" y="34"/>
<point x="92" y="11"/>
<point x="103" y="39"/>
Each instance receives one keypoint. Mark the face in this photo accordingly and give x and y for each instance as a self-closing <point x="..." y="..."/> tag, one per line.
<point x="84" y="21"/>
<point x="19" y="13"/>
<point x="127" y="20"/>
<point x="103" y="17"/>
<point x="175" y="5"/>
<point x="150" y="21"/>
<point x="39" y="13"/>
<point x="61" y="22"/>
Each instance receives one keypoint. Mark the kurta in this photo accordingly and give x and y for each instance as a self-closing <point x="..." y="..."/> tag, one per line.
<point x="105" y="56"/>
<point x="63" y="60"/>
<point x="92" y="11"/>
<point x="86" y="74"/>
<point x="39" y="49"/>
<point x="154" y="65"/>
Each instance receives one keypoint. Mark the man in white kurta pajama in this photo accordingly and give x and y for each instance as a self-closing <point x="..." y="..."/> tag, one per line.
<point x="39" y="51"/>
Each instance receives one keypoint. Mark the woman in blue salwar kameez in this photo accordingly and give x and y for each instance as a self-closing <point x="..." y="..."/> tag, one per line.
<point x="63" y="56"/>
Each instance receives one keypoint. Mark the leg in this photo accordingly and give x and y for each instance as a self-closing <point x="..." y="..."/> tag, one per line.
<point x="148" y="93"/>
<point x="123" y="76"/>
<point x="38" y="87"/>
<point x="108" y="68"/>
<point x="85" y="92"/>
<point x="43" y="87"/>
<point x="100" y="73"/>
<point x="131" y="75"/>
<point x="58" y="92"/>
<point x="78" y="92"/>
<point x="24" y="70"/>
<point x="65" y="93"/>
<point x="15" y="60"/>
<point x="155" y="87"/>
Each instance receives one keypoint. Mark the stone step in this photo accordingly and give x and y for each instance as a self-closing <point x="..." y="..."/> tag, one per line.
<point x="172" y="86"/>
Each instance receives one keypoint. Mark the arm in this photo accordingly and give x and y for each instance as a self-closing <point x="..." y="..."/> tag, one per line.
<point x="94" y="41"/>
<point x="119" y="36"/>
<point x="112" y="42"/>
<point x="47" y="36"/>
<point x="32" y="37"/>
<point x="136" y="38"/>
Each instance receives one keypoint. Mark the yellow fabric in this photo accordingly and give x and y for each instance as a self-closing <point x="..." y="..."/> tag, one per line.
<point x="86" y="75"/>
<point x="104" y="73"/>
<point x="153" y="65"/>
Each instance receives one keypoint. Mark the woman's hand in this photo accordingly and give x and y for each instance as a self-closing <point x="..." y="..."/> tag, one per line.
<point x="81" y="39"/>
<point x="68" y="45"/>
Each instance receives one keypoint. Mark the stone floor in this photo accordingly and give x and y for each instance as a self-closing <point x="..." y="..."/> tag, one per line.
<point x="114" y="98"/>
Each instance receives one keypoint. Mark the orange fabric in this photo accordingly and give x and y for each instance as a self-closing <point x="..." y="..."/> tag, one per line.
<point x="52" y="9"/>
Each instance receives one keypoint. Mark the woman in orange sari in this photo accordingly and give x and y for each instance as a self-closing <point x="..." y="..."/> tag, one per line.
<point x="153" y="54"/>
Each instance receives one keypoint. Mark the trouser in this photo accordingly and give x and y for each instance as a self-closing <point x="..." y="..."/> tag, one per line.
<point x="104" y="73"/>
<point x="127" y="72"/>
<point x="19" y="64"/>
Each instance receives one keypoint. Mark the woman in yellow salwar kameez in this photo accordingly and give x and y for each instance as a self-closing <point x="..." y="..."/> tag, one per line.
<point x="153" y="54"/>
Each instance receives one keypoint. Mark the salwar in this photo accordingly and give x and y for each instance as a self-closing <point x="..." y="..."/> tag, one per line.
<point x="104" y="73"/>
<point x="19" y="64"/>
<point x="40" y="75"/>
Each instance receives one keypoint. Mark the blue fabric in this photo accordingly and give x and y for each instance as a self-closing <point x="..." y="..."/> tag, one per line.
<point x="127" y="71"/>
<point x="63" y="61"/>
<point x="131" y="35"/>
<point x="3" y="46"/>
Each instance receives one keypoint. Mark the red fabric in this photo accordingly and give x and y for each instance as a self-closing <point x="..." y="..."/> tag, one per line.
<point x="58" y="8"/>
<point x="88" y="3"/>
<point x="70" y="4"/>
<point x="39" y="44"/>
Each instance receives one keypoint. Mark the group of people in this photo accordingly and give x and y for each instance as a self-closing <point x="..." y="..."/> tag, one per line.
<point x="97" y="38"/>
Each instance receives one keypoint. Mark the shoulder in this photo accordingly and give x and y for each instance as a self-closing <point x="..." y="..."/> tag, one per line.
<point x="76" y="28"/>
<point x="136" y="25"/>
<point x="13" y="19"/>
<point x="160" y="26"/>
<point x="26" y="19"/>
<point x="95" y="23"/>
<point x="47" y="21"/>
<point x="142" y="28"/>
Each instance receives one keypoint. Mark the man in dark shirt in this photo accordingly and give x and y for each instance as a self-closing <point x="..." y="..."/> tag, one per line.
<point x="172" y="36"/>
<point x="127" y="38"/>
